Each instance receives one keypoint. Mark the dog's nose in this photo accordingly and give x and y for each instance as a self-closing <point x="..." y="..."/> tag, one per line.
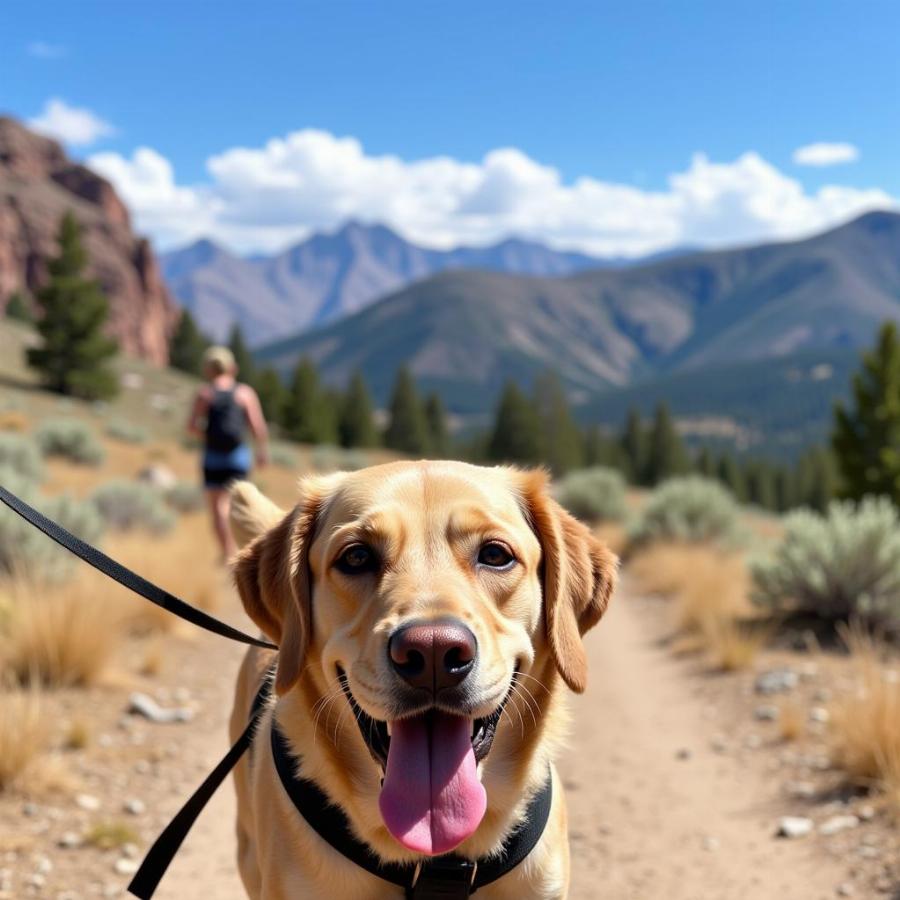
<point x="433" y="655"/>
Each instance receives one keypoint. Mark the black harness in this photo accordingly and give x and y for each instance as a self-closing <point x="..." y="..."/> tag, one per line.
<point x="448" y="877"/>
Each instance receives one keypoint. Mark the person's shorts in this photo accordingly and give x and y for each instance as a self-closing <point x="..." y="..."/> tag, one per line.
<point x="221" y="468"/>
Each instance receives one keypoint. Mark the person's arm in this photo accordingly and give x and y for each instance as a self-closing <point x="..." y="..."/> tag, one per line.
<point x="257" y="422"/>
<point x="198" y="413"/>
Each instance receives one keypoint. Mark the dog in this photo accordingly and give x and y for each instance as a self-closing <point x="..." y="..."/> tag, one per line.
<point x="429" y="618"/>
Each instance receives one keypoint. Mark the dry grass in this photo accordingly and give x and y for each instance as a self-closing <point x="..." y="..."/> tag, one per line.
<point x="24" y="733"/>
<point x="792" y="719"/>
<point x="78" y="735"/>
<point x="13" y="420"/>
<point x="709" y="591"/>
<point x="866" y="723"/>
<point x="60" y="635"/>
<point x="111" y="835"/>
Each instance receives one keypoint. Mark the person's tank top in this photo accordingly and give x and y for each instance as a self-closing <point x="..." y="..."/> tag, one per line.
<point x="225" y="422"/>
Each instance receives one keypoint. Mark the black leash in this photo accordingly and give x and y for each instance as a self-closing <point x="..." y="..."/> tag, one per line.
<point x="449" y="877"/>
<point x="124" y="576"/>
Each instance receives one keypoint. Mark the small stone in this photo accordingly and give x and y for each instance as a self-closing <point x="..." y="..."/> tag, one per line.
<point x="800" y="790"/>
<point x="753" y="742"/>
<point x="43" y="865"/>
<point x="134" y="807"/>
<point x="30" y="809"/>
<point x="823" y="695"/>
<point x="125" y="866"/>
<point x="144" y="705"/>
<point x="776" y="681"/>
<point x="794" y="827"/>
<point x="131" y="851"/>
<point x="683" y="753"/>
<point x="69" y="840"/>
<point x="837" y="824"/>
<point x="765" y="713"/>
<point x="866" y="813"/>
<point x="718" y="744"/>
<point x="867" y="852"/>
<point x="845" y="890"/>
<point x="711" y="844"/>
<point x="35" y="880"/>
<point x="819" y="714"/>
<point x="87" y="802"/>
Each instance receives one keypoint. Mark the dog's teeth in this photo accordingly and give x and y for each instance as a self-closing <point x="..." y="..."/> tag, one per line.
<point x="389" y="729"/>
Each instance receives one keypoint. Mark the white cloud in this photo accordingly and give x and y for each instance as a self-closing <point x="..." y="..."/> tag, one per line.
<point x="264" y="198"/>
<point x="45" y="50"/>
<point x="825" y="154"/>
<point x="71" y="124"/>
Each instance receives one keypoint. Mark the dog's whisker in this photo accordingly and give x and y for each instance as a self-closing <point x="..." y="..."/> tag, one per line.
<point x="517" y="696"/>
<point x="532" y="678"/>
<point x="532" y="701"/>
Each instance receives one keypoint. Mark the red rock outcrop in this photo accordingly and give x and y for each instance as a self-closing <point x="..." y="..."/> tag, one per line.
<point x="38" y="184"/>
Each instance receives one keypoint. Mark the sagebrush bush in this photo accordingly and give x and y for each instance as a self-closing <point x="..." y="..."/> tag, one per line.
<point x="127" y="432"/>
<point x="24" y="549"/>
<point x="595" y="495"/>
<point x="691" y="509"/>
<point x="185" y="496"/>
<point x="70" y="439"/>
<point x="129" y="505"/>
<point x="21" y="454"/>
<point x="843" y="565"/>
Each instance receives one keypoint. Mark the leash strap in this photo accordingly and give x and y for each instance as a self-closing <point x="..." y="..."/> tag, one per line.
<point x="164" y="848"/>
<point x="131" y="580"/>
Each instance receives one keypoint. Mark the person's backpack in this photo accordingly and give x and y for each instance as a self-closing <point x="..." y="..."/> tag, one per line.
<point x="225" y="422"/>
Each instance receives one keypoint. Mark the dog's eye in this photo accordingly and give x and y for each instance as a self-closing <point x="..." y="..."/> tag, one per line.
<point x="357" y="559"/>
<point x="495" y="555"/>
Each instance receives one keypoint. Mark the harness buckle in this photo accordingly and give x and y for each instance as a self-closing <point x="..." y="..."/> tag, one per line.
<point x="443" y="878"/>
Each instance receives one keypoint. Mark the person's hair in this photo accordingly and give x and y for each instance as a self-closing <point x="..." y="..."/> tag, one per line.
<point x="218" y="361"/>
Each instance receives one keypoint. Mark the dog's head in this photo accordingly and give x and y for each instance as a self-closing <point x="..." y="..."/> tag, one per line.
<point x="427" y="590"/>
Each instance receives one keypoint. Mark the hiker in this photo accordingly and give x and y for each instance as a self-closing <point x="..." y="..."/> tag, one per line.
<point x="228" y="408"/>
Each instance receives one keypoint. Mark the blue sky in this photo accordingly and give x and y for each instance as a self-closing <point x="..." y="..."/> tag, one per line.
<point x="619" y="99"/>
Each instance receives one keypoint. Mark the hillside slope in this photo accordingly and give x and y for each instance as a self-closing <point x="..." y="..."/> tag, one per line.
<point x="465" y="332"/>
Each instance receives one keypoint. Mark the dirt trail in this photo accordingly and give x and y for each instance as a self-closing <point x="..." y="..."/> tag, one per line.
<point x="655" y="812"/>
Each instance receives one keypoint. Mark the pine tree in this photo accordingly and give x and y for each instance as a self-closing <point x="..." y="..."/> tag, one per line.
<point x="74" y="354"/>
<point x="308" y="415"/>
<point x="356" y="425"/>
<point x="634" y="447"/>
<point x="407" y="430"/>
<point x="816" y="479"/>
<point x="666" y="456"/>
<point x="785" y="489"/>
<point x="600" y="450"/>
<point x="272" y="394"/>
<point x="730" y="474"/>
<point x="516" y="434"/>
<point x="704" y="464"/>
<point x="760" y="484"/>
<point x="242" y="355"/>
<point x="561" y="447"/>
<point x="866" y="438"/>
<point x="436" y="416"/>
<point x="187" y="345"/>
<point x="19" y="309"/>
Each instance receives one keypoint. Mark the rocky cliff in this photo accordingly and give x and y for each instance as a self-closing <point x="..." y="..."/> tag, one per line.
<point x="38" y="183"/>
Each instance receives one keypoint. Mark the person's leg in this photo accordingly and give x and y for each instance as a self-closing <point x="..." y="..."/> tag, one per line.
<point x="219" y="504"/>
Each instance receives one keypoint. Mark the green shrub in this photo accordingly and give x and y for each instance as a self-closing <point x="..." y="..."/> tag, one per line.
<point x="595" y="495"/>
<point x="23" y="547"/>
<point x="128" y="433"/>
<point x="843" y="565"/>
<point x="185" y="497"/>
<point x="690" y="509"/>
<point x="130" y="505"/>
<point x="22" y="455"/>
<point x="70" y="439"/>
<point x="283" y="455"/>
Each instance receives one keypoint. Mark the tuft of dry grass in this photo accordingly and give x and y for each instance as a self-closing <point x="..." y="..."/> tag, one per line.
<point x="78" y="735"/>
<point x="111" y="835"/>
<point x="60" y="635"/>
<point x="709" y="589"/>
<point x="865" y="725"/>
<point x="792" y="719"/>
<point x="24" y="733"/>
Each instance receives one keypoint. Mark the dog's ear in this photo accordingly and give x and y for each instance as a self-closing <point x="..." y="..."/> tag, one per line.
<point x="251" y="512"/>
<point x="273" y="579"/>
<point x="579" y="575"/>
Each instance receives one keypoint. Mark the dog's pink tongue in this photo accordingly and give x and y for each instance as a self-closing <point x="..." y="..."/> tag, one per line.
<point x="432" y="800"/>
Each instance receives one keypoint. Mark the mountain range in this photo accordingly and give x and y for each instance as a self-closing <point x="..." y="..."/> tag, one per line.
<point x="737" y="311"/>
<point x="329" y="276"/>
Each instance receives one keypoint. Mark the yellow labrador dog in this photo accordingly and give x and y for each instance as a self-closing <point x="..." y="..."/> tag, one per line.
<point x="429" y="619"/>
